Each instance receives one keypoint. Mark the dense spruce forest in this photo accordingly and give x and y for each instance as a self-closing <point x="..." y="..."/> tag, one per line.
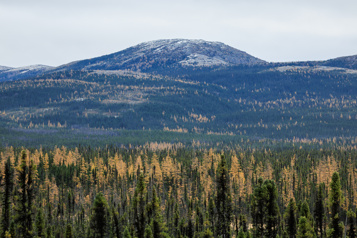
<point x="170" y="190"/>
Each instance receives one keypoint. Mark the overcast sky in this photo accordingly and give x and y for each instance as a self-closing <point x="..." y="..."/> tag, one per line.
<point x="54" y="32"/>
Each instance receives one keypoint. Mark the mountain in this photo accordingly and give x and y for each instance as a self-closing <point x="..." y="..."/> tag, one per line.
<point x="167" y="90"/>
<point x="349" y="62"/>
<point x="175" y="53"/>
<point x="7" y="73"/>
<point x="4" y="68"/>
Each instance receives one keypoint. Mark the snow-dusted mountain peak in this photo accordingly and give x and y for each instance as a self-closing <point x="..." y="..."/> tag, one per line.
<point x="22" y="72"/>
<point x="170" y="53"/>
<point x="3" y="68"/>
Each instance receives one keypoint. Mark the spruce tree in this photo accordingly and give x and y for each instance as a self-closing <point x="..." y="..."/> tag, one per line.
<point x="139" y="204"/>
<point x="158" y="226"/>
<point x="305" y="210"/>
<point x="40" y="224"/>
<point x="290" y="219"/>
<point x="24" y="198"/>
<point x="319" y="213"/>
<point x="305" y="230"/>
<point x="8" y="185"/>
<point x="351" y="224"/>
<point x="69" y="233"/>
<point x="148" y="232"/>
<point x="258" y="208"/>
<point x="98" y="222"/>
<point x="126" y="233"/>
<point x="335" y="204"/>
<point x="223" y="200"/>
<point x="116" y="223"/>
<point x="272" y="209"/>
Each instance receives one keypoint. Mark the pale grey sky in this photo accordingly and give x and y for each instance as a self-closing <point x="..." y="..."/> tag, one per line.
<point x="58" y="32"/>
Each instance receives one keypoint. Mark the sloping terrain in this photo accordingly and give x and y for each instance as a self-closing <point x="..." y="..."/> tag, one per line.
<point x="225" y="93"/>
<point x="176" y="53"/>
<point x="256" y="103"/>
<point x="9" y="74"/>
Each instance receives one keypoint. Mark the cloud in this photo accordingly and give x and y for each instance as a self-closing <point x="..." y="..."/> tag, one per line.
<point x="57" y="32"/>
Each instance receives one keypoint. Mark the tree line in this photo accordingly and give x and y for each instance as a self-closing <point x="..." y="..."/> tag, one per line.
<point x="177" y="192"/>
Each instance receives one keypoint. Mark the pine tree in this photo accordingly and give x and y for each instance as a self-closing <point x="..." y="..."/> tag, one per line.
<point x="25" y="196"/>
<point x="335" y="204"/>
<point x="139" y="203"/>
<point x="223" y="201"/>
<point x="148" y="232"/>
<point x="258" y="208"/>
<point x="126" y="233"/>
<point x="351" y="223"/>
<point x="157" y="223"/>
<point x="305" y="230"/>
<point x="8" y="185"/>
<point x="272" y="209"/>
<point x="69" y="233"/>
<point x="290" y="219"/>
<point x="319" y="213"/>
<point x="40" y="223"/>
<point x="98" y="222"/>
<point x="116" y="222"/>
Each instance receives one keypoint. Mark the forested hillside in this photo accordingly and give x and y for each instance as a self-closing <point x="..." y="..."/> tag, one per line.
<point x="261" y="102"/>
<point x="165" y="190"/>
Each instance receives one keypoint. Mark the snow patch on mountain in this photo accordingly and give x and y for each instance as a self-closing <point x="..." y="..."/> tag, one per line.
<point x="202" y="60"/>
<point x="3" y="68"/>
<point x="37" y="67"/>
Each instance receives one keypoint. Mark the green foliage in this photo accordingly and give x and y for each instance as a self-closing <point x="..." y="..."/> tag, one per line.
<point x="8" y="186"/>
<point x="126" y="233"/>
<point x="335" y="198"/>
<point x="69" y="233"/>
<point x="99" y="217"/>
<point x="223" y="200"/>
<point x="319" y="213"/>
<point x="40" y="223"/>
<point x="304" y="230"/>
<point x="24" y="199"/>
<point x="351" y="233"/>
<point x="290" y="219"/>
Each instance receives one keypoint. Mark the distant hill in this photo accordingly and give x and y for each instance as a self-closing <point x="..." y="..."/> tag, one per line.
<point x="8" y="74"/>
<point x="349" y="62"/>
<point x="176" y="53"/>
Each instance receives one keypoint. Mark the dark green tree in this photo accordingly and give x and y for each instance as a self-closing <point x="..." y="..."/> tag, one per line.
<point x="8" y="186"/>
<point x="351" y="224"/>
<point x="290" y="219"/>
<point x="272" y="209"/>
<point x="139" y="203"/>
<point x="305" y="210"/>
<point x="157" y="224"/>
<point x="305" y="230"/>
<point x="126" y="233"/>
<point x="223" y="200"/>
<point x="24" y="198"/>
<point x="69" y="233"/>
<point x="335" y="198"/>
<point x="40" y="224"/>
<point x="98" y="222"/>
<point x="116" y="224"/>
<point x="319" y="213"/>
<point x="258" y="208"/>
<point x="148" y="232"/>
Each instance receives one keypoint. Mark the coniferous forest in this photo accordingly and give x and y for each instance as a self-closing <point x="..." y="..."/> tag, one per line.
<point x="177" y="191"/>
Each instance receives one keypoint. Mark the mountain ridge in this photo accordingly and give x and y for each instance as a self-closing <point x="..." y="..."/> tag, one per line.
<point x="165" y="56"/>
<point x="167" y="53"/>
